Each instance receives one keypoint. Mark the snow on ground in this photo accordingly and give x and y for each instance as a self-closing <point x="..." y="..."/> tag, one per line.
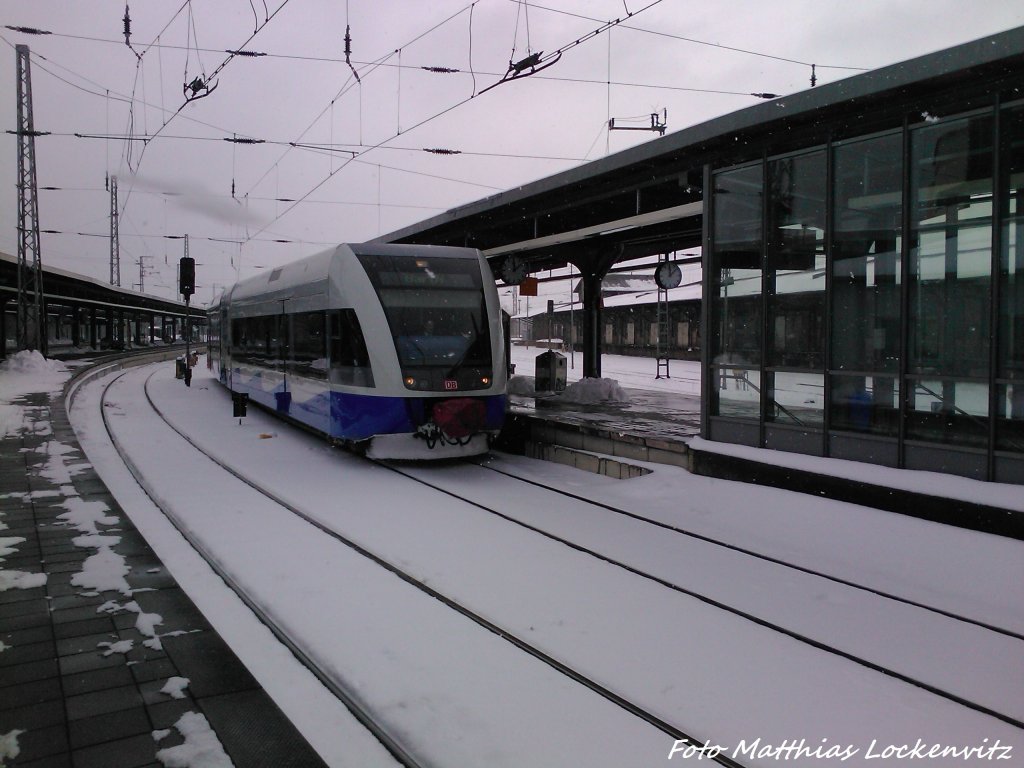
<point x="733" y="681"/>
<point x="587" y="391"/>
<point x="454" y="691"/>
<point x="966" y="570"/>
<point x="175" y="687"/>
<point x="202" y="748"/>
<point x="639" y="373"/>
<point x="627" y="371"/>
<point x="320" y="717"/>
<point x="23" y="373"/>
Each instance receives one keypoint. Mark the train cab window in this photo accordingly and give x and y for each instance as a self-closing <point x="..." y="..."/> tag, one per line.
<point x="349" y="358"/>
<point x="435" y="310"/>
<point x="308" y="345"/>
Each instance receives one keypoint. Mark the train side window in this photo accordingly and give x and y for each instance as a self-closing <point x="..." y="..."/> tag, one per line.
<point x="309" y="345"/>
<point x="239" y="350"/>
<point x="350" y="360"/>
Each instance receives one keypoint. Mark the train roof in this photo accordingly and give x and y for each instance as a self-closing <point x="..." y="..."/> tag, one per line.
<point x="308" y="276"/>
<point x="304" y="277"/>
<point x="409" y="249"/>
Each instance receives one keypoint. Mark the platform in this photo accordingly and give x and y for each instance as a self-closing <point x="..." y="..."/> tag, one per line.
<point x="92" y="676"/>
<point x="663" y="427"/>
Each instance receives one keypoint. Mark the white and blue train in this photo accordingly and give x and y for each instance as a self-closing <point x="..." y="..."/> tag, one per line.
<point x="396" y="350"/>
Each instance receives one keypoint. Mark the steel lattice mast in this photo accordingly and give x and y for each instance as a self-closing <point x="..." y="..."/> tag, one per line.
<point x="31" y="320"/>
<point x="115" y="245"/>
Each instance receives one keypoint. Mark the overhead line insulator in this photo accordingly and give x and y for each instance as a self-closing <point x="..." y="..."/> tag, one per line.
<point x="29" y="30"/>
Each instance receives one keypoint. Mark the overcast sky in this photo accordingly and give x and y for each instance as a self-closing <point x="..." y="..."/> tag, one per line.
<point x="676" y="55"/>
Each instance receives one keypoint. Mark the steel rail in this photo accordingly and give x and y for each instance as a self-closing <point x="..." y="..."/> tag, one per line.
<point x="758" y="555"/>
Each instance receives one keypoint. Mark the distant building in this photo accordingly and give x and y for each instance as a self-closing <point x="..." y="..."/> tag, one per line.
<point x="629" y="319"/>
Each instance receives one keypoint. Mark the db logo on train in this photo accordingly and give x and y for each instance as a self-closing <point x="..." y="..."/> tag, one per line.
<point x="451" y="384"/>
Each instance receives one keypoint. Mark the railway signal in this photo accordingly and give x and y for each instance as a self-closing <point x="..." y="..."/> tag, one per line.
<point x="186" y="287"/>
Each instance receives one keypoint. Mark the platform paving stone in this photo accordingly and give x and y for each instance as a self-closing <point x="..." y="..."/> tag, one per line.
<point x="77" y="705"/>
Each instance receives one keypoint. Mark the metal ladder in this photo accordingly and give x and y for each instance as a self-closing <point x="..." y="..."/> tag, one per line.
<point x="664" y="335"/>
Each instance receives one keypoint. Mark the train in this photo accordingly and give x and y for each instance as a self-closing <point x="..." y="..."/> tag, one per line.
<point x="394" y="351"/>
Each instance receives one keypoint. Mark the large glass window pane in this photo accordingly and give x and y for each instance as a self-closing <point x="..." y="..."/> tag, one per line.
<point x="866" y="245"/>
<point x="951" y="241"/>
<point x="869" y="404"/>
<point x="736" y="266"/>
<point x="350" y="359"/>
<point x="1010" y="417"/>
<point x="795" y="398"/>
<point x="1010" y="414"/>
<point x="309" y="344"/>
<point x="737" y="393"/>
<point x="796" y="261"/>
<point x="948" y="411"/>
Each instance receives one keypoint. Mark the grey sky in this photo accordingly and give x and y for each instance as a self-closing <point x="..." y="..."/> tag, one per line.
<point x="303" y="92"/>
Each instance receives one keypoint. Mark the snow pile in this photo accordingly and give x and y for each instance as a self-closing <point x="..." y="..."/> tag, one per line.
<point x="7" y="543"/>
<point x="21" y="580"/>
<point x="201" y="749"/>
<point x="56" y="469"/>
<point x="86" y="515"/>
<point x="593" y="391"/>
<point x="28" y="371"/>
<point x="121" y="646"/>
<point x="104" y="570"/>
<point x="520" y="385"/>
<point x="9" y="745"/>
<point x="175" y="687"/>
<point x="23" y="373"/>
<point x="145" y="623"/>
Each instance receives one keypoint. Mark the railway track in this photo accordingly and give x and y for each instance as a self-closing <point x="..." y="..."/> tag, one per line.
<point x="719" y="604"/>
<point x="349" y="698"/>
<point x="607" y="691"/>
<point x="402" y="752"/>
<point x="751" y="553"/>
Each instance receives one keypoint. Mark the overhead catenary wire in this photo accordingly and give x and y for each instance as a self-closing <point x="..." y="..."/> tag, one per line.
<point x="537" y="62"/>
<point x="212" y="76"/>
<point x="557" y="54"/>
<point x="382" y="63"/>
<point x="349" y="84"/>
<point x="695" y="41"/>
<point x="330" y="59"/>
<point x="390" y="63"/>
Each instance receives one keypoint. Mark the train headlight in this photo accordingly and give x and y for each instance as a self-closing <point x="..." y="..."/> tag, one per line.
<point x="410" y="381"/>
<point x="485" y="380"/>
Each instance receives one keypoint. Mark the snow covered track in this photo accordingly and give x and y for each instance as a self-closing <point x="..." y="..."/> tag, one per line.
<point x="998" y="647"/>
<point x="656" y="619"/>
<point x="268" y="602"/>
<point x="350" y="700"/>
<point x="488" y="464"/>
<point x="363" y="714"/>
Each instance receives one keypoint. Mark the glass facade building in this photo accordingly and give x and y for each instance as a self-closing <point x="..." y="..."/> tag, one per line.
<point x="866" y="293"/>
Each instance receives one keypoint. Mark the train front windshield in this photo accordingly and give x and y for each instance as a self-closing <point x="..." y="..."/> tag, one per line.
<point x="435" y="310"/>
